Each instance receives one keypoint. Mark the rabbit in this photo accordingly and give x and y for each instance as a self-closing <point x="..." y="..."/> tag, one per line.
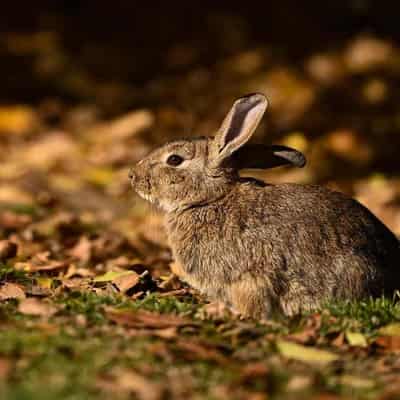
<point x="260" y="248"/>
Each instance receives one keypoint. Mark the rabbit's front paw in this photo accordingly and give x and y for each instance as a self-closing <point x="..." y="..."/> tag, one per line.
<point x="215" y="310"/>
<point x="177" y="269"/>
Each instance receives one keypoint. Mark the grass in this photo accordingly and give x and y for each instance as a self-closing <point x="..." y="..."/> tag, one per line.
<point x="79" y="360"/>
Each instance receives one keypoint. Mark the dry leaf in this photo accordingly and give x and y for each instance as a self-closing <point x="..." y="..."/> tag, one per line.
<point x="5" y="368"/>
<point x="34" y="306"/>
<point x="306" y="354"/>
<point x="391" y="329"/>
<point x="356" y="382"/>
<point x="299" y="382"/>
<point x="123" y="127"/>
<point x="11" y="291"/>
<point x="164" y="333"/>
<point x="109" y="276"/>
<point x="41" y="262"/>
<point x="196" y="350"/>
<point x="123" y="380"/>
<point x="11" y="220"/>
<point x="46" y="152"/>
<point x="356" y="339"/>
<point x="82" y="251"/>
<point x="126" y="281"/>
<point x="146" y="319"/>
<point x="17" y="120"/>
<point x="255" y="369"/>
<point x="389" y="343"/>
<point x="339" y="340"/>
<point x="8" y="249"/>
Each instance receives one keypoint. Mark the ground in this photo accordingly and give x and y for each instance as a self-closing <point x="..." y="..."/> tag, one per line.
<point x="89" y="307"/>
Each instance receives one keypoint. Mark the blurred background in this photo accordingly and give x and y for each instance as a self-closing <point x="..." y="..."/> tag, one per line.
<point x="89" y="87"/>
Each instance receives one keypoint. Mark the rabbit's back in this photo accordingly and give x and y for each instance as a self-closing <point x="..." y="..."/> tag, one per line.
<point x="292" y="246"/>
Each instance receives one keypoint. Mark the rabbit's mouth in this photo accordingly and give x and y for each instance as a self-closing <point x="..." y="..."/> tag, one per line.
<point x="166" y="206"/>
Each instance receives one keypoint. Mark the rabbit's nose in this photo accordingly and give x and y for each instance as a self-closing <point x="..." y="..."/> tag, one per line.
<point x="132" y="175"/>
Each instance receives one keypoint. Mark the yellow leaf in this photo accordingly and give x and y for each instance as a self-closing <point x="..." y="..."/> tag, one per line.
<point x="112" y="275"/>
<point x="296" y="140"/>
<point x="99" y="176"/>
<point x="356" y="339"/>
<point x="391" y="329"/>
<point x="356" y="382"/>
<point x="17" y="120"/>
<point x="45" y="282"/>
<point x="304" y="353"/>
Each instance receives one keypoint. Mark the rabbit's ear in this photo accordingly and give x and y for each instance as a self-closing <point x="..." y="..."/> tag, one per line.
<point x="238" y="126"/>
<point x="259" y="156"/>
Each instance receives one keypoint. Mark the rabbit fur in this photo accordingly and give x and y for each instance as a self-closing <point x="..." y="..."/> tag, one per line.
<point x="261" y="248"/>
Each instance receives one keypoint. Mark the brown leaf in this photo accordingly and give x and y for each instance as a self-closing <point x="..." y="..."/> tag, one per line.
<point x="5" y="368"/>
<point x="126" y="282"/>
<point x="310" y="330"/>
<point x="254" y="369"/>
<point x="389" y="343"/>
<point x="10" y="220"/>
<point x="45" y="152"/>
<point x="124" y="380"/>
<point x="34" y="306"/>
<point x="8" y="249"/>
<point x="11" y="291"/>
<point x="339" y="340"/>
<point x="147" y="319"/>
<point x="41" y="262"/>
<point x="82" y="251"/>
<point x="164" y="333"/>
<point x="196" y="350"/>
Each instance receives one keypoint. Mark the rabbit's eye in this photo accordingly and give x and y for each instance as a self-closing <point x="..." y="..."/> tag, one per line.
<point x="174" y="160"/>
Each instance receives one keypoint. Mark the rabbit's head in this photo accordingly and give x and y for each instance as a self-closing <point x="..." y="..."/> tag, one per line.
<point x="197" y="171"/>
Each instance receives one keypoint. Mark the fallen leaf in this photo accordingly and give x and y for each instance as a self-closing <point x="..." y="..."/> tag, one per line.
<point x="45" y="282"/>
<point x="356" y="382"/>
<point x="99" y="176"/>
<point x="339" y="340"/>
<point x="164" y="333"/>
<point x="126" y="281"/>
<point x="82" y="251"/>
<point x="11" y="291"/>
<point x="73" y="271"/>
<point x="122" y="127"/>
<point x="50" y="266"/>
<point x="298" y="382"/>
<point x="110" y="276"/>
<point x="389" y="343"/>
<point x="391" y="329"/>
<point x="309" y="332"/>
<point x="254" y="369"/>
<point x="123" y="380"/>
<point x="34" y="306"/>
<point x="5" y="368"/>
<point x="356" y="339"/>
<point x="146" y="319"/>
<point x="8" y="249"/>
<point x="197" y="350"/>
<point x="17" y="120"/>
<point x="44" y="153"/>
<point x="306" y="354"/>
<point x="41" y="262"/>
<point x="11" y="220"/>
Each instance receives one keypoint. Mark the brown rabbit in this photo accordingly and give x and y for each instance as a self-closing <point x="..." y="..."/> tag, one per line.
<point x="257" y="247"/>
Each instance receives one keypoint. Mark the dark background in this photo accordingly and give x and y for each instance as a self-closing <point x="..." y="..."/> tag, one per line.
<point x="331" y="71"/>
